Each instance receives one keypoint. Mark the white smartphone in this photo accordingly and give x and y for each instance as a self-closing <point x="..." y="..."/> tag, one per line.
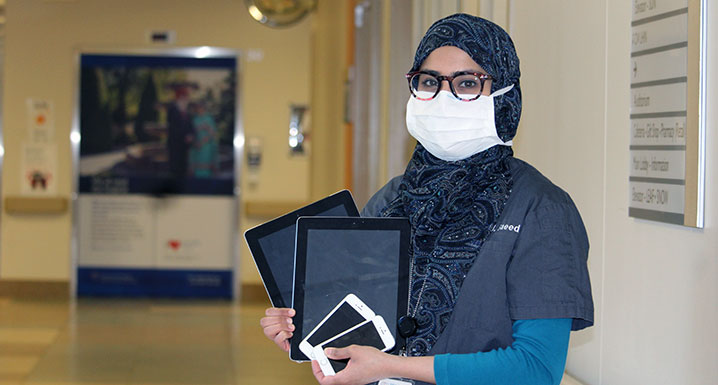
<point x="373" y="332"/>
<point x="350" y="312"/>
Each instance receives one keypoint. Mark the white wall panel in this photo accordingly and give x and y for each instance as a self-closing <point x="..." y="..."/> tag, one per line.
<point x="561" y="46"/>
<point x="655" y="285"/>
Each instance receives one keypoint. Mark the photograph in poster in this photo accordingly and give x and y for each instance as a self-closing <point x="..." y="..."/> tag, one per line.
<point x="157" y="124"/>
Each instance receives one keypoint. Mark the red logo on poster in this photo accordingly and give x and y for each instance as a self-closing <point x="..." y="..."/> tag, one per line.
<point x="174" y="244"/>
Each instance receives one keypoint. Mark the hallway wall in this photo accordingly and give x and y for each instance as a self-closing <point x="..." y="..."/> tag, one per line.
<point x="40" y="62"/>
<point x="655" y="285"/>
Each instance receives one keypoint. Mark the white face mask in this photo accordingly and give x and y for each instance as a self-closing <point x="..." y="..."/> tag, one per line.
<point x="452" y="129"/>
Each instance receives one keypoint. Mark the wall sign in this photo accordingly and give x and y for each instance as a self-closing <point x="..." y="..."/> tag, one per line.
<point x="39" y="169"/>
<point x="667" y="148"/>
<point x="40" y="121"/>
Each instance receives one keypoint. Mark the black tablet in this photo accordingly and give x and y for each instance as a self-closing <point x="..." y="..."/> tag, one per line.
<point x="367" y="257"/>
<point x="272" y="244"/>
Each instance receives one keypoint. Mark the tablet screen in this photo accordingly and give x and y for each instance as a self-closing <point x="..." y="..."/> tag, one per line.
<point x="364" y="256"/>
<point x="272" y="244"/>
<point x="348" y="261"/>
<point x="278" y="248"/>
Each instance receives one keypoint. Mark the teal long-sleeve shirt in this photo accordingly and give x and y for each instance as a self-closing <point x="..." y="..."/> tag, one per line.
<point x="537" y="356"/>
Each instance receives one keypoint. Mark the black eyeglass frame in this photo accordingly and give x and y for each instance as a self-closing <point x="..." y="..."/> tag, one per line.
<point x="482" y="79"/>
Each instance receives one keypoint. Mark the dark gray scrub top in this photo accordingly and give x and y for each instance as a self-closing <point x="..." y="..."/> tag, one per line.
<point x="533" y="265"/>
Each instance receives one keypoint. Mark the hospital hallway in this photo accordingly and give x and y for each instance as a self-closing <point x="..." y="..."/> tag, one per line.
<point x="565" y="167"/>
<point x="144" y="341"/>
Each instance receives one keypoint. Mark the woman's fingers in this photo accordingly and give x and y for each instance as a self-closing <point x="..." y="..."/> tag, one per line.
<point x="366" y="364"/>
<point x="274" y="315"/>
<point x="280" y="318"/>
<point x="271" y="331"/>
<point x="269" y="321"/>
<point x="317" y="371"/>
<point x="280" y="312"/>
<point x="277" y="326"/>
<point x="338" y="353"/>
<point x="281" y="340"/>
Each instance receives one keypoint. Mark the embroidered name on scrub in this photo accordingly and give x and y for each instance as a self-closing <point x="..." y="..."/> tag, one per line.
<point x="506" y="227"/>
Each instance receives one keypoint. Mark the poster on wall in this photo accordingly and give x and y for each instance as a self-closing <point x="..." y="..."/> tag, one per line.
<point x="666" y="182"/>
<point x="156" y="174"/>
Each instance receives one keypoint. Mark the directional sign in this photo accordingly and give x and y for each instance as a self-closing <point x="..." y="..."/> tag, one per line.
<point x="666" y="179"/>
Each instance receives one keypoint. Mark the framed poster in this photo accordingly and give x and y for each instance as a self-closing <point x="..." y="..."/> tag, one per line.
<point x="668" y="105"/>
<point x="157" y="144"/>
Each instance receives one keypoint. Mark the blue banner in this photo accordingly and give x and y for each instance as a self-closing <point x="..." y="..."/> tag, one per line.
<point x="125" y="282"/>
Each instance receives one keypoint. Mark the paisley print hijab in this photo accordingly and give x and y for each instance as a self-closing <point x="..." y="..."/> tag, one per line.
<point x="453" y="205"/>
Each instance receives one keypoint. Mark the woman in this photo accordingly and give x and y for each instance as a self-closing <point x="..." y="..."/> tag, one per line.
<point x="499" y="276"/>
<point x="204" y="154"/>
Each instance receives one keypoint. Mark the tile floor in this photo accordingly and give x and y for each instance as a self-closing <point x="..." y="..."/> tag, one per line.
<point x="153" y="342"/>
<point x="149" y="342"/>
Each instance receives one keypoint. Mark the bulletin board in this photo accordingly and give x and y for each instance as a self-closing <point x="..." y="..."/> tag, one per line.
<point x="668" y="109"/>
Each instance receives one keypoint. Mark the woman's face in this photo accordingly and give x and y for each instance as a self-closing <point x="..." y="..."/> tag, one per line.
<point x="448" y="60"/>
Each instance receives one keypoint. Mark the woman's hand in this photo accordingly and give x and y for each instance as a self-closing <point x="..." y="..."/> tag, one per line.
<point x="366" y="364"/>
<point x="278" y="327"/>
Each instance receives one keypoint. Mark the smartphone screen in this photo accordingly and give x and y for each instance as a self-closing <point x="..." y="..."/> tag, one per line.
<point x="344" y="318"/>
<point x="366" y="335"/>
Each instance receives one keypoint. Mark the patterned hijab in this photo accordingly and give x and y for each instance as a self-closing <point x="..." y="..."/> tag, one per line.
<point x="453" y="205"/>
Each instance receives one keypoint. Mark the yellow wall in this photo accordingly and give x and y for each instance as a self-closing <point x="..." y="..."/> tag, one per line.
<point x="326" y="130"/>
<point x="41" y="41"/>
<point x="329" y="96"/>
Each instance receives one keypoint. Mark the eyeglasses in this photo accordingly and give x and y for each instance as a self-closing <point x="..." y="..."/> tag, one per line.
<point x="466" y="86"/>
